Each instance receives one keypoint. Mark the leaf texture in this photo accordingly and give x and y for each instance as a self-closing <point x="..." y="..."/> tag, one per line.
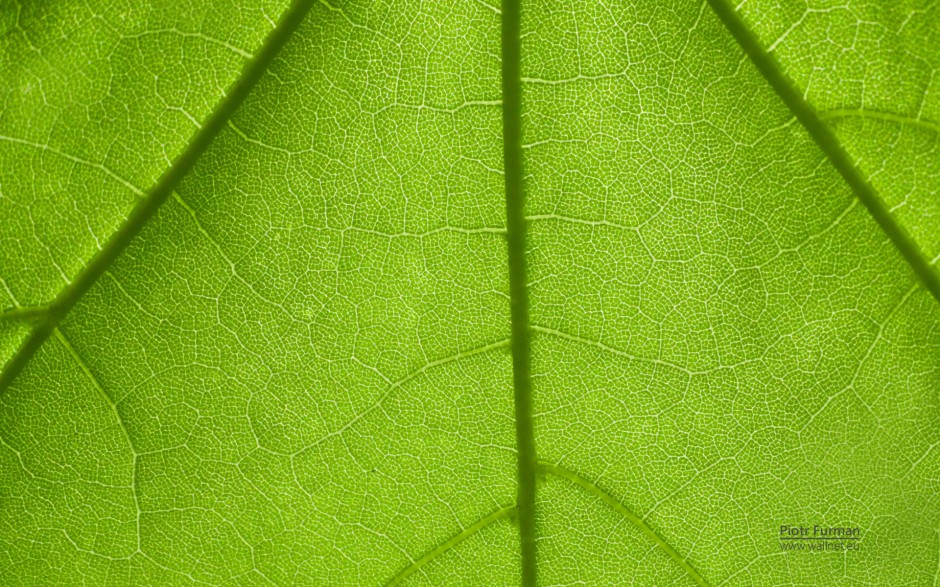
<point x="305" y="368"/>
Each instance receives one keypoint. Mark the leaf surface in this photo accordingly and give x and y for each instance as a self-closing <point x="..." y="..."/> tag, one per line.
<point x="301" y="370"/>
<point x="94" y="106"/>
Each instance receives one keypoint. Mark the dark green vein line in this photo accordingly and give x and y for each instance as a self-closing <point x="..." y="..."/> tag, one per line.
<point x="626" y="513"/>
<point x="804" y="112"/>
<point x="518" y="296"/>
<point x="843" y="113"/>
<point x="149" y="205"/>
<point x="450" y="543"/>
<point x="24" y="313"/>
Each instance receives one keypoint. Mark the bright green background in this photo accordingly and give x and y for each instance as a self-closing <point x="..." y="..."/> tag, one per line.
<point x="299" y="372"/>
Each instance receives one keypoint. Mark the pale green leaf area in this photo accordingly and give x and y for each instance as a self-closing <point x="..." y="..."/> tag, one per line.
<point x="872" y="69"/>
<point x="721" y="333"/>
<point x="96" y="101"/>
<point x="301" y="370"/>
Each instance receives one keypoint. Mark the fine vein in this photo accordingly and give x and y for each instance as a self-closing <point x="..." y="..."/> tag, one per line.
<point x="842" y="113"/>
<point x="451" y="543"/>
<point x="827" y="142"/>
<point x="626" y="513"/>
<point x="117" y="415"/>
<point x="149" y="205"/>
<point x="518" y="296"/>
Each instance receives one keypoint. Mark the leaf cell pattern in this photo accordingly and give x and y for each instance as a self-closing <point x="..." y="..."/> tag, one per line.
<point x="297" y="365"/>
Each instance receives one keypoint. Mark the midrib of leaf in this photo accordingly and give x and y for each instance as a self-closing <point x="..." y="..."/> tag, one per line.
<point x="528" y="466"/>
<point x="148" y="206"/>
<point x="518" y="295"/>
<point x="509" y="511"/>
<point x="826" y="140"/>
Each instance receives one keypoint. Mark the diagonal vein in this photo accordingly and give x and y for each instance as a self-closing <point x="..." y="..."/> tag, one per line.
<point x="826" y="140"/>
<point x="397" y="384"/>
<point x="626" y="513"/>
<point x="117" y="415"/>
<point x="24" y="313"/>
<point x="843" y="113"/>
<point x="451" y="542"/>
<point x="149" y="205"/>
<point x="102" y="168"/>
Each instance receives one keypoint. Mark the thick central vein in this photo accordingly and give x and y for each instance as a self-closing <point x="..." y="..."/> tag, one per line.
<point x="147" y="207"/>
<point x="518" y="297"/>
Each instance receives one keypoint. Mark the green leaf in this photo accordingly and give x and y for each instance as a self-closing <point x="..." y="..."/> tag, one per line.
<point x="361" y="293"/>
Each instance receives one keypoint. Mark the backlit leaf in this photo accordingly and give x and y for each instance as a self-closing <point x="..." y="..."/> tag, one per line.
<point x="268" y="317"/>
